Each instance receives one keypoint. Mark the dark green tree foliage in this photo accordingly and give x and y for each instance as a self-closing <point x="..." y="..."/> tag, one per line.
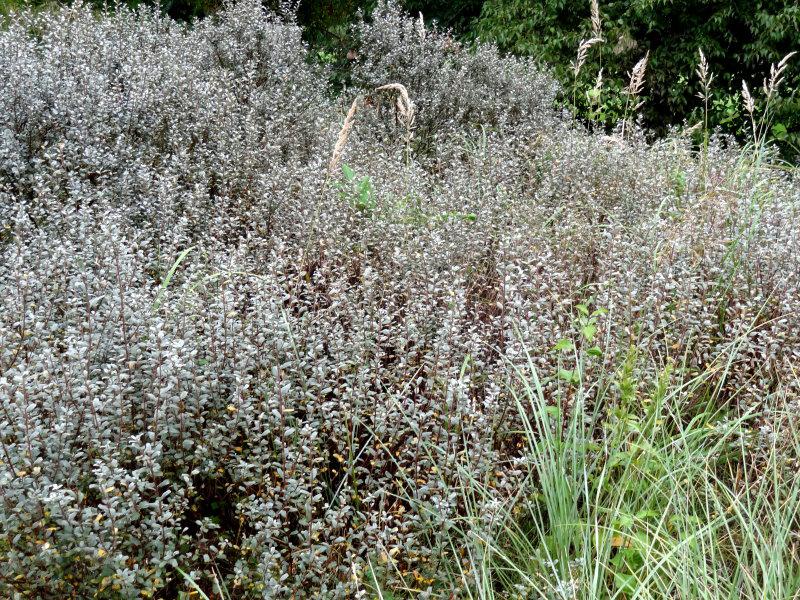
<point x="458" y="15"/>
<point x="326" y="21"/>
<point x="182" y="10"/>
<point x="739" y="37"/>
<point x="189" y="9"/>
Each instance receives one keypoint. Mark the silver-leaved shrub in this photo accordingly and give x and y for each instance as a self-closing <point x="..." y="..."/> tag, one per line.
<point x="217" y="355"/>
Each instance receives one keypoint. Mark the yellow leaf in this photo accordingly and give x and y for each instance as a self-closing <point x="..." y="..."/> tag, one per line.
<point x="620" y="542"/>
<point x="422" y="579"/>
<point x="101" y="553"/>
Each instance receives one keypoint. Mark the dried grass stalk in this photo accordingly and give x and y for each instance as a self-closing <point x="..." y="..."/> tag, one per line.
<point x="344" y="133"/>
<point x="583" y="50"/>
<point x="420" y="26"/>
<point x="705" y="76"/>
<point x="636" y="84"/>
<point x="747" y="97"/>
<point x="776" y="76"/>
<point x="598" y="82"/>
<point x="405" y="111"/>
<point x="597" y="24"/>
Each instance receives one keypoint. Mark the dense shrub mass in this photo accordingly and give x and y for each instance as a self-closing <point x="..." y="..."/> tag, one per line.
<point x="218" y="354"/>
<point x="738" y="37"/>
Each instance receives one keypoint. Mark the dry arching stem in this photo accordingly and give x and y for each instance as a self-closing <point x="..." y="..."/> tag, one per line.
<point x="405" y="113"/>
<point x="405" y="107"/>
<point x="583" y="50"/>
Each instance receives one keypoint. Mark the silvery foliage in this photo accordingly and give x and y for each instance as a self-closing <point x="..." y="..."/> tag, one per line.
<point x="451" y="87"/>
<point x="277" y="405"/>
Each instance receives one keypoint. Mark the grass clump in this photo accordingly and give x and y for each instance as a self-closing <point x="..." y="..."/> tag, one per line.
<point x="634" y="489"/>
